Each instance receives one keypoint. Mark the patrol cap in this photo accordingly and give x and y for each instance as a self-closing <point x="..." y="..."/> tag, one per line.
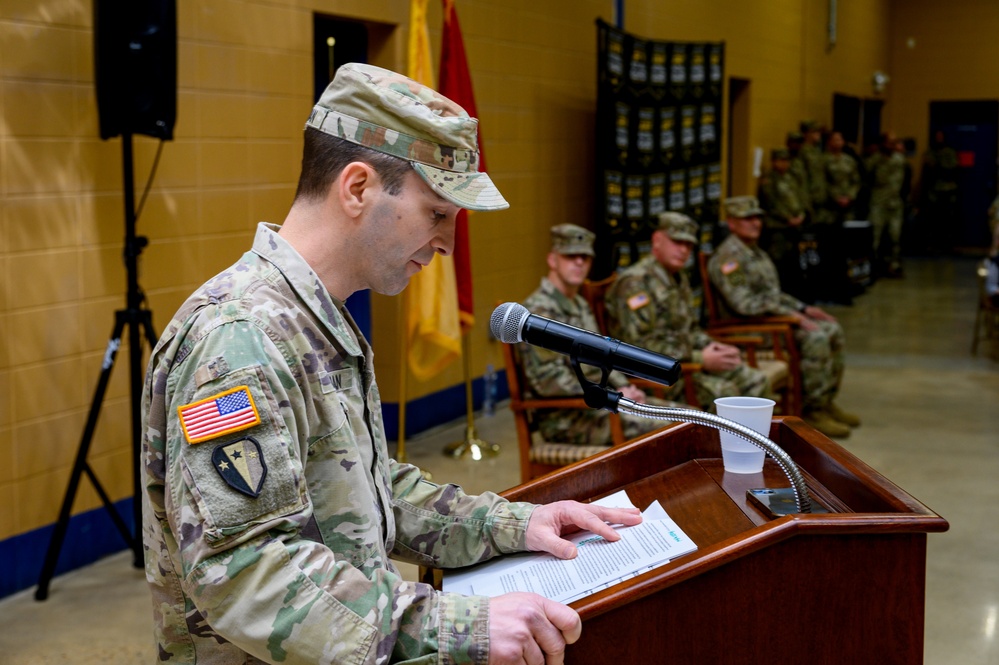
<point x="809" y="126"/>
<point x="795" y="137"/>
<point x="780" y="153"/>
<point x="572" y="239"/>
<point x="741" y="207"/>
<point x="678" y="226"/>
<point x="395" y="115"/>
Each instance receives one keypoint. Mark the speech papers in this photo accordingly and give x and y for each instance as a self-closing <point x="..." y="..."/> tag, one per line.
<point x="598" y="564"/>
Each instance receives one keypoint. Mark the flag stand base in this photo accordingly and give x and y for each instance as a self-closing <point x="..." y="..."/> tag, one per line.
<point x="472" y="446"/>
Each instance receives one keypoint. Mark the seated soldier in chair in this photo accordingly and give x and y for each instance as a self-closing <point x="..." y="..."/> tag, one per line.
<point x="550" y="374"/>
<point x="748" y="285"/>
<point x="651" y="305"/>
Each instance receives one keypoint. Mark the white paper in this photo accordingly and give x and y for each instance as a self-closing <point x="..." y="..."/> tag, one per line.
<point x="598" y="565"/>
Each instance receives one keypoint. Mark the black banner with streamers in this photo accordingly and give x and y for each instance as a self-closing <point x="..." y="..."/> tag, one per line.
<point x="658" y="143"/>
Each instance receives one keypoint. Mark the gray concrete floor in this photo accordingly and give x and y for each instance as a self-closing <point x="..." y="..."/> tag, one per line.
<point x="931" y="417"/>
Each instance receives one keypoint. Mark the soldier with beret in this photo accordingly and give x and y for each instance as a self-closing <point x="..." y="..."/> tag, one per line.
<point x="271" y="506"/>
<point x="748" y="285"/>
<point x="550" y="374"/>
<point x="651" y="305"/>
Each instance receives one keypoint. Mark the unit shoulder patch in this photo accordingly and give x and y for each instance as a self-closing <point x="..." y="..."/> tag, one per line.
<point x="229" y="411"/>
<point x="241" y="465"/>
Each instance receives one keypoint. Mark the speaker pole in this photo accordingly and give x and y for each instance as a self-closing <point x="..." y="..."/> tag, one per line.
<point x="134" y="317"/>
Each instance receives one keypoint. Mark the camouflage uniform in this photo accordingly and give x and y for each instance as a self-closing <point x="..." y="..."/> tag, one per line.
<point x="748" y="284"/>
<point x="782" y="198"/>
<point x="814" y="161"/>
<point x="887" y="173"/>
<point x="271" y="539"/>
<point x="270" y="504"/>
<point x="842" y="179"/>
<point x="648" y="307"/>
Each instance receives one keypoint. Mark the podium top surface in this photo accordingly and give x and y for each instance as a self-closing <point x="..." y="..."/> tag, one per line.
<point x="682" y="468"/>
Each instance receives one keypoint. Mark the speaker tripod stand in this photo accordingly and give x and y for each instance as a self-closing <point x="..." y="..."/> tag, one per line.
<point x="138" y="320"/>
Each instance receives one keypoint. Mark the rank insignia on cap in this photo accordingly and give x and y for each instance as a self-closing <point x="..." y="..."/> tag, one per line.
<point x="638" y="300"/>
<point x="729" y="267"/>
<point x="224" y="413"/>
<point x="241" y="465"/>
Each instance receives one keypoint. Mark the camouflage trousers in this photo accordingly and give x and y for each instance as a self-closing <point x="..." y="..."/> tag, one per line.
<point x="742" y="381"/>
<point x="591" y="427"/>
<point x="821" y="353"/>
<point x="884" y="216"/>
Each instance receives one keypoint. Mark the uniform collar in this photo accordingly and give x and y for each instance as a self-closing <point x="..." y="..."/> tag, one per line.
<point x="303" y="280"/>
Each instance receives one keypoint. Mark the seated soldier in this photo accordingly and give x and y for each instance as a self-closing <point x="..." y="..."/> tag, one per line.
<point x="747" y="284"/>
<point x="550" y="374"/>
<point x="651" y="305"/>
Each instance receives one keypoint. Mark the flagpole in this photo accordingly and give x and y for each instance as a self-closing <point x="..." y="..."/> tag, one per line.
<point x="471" y="446"/>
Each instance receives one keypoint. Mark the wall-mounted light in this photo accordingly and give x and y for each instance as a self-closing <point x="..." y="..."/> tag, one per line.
<point x="879" y="80"/>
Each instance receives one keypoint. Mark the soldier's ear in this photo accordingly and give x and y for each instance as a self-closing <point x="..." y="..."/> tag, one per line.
<point x="354" y="187"/>
<point x="552" y="260"/>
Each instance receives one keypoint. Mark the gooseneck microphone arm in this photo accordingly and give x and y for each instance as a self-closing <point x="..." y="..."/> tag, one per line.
<point x="511" y="323"/>
<point x="654" y="412"/>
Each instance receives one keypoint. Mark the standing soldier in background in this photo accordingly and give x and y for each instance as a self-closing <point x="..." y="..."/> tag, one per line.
<point x="782" y="198"/>
<point x="937" y="195"/>
<point x="748" y="286"/>
<point x="795" y="143"/>
<point x="842" y="178"/>
<point x="651" y="305"/>
<point x="814" y="163"/>
<point x="886" y="170"/>
<point x="550" y="374"/>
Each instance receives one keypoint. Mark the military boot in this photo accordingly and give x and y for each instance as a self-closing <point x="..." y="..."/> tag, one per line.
<point x="824" y="423"/>
<point x="842" y="416"/>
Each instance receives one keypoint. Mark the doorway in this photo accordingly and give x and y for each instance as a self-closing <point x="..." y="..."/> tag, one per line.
<point x="739" y="177"/>
<point x="971" y="128"/>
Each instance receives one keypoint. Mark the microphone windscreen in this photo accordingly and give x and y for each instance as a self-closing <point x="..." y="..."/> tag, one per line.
<point x="507" y="321"/>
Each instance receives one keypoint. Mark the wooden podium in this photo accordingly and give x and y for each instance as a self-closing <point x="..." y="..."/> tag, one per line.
<point x="841" y="587"/>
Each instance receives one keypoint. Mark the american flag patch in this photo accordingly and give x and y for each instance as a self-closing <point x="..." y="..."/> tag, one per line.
<point x="229" y="411"/>
<point x="638" y="300"/>
<point x="730" y="267"/>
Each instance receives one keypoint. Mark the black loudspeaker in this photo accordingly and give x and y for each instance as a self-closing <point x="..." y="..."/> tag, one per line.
<point x="135" y="66"/>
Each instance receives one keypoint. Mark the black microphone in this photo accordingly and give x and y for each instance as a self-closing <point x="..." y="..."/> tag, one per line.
<point x="512" y="322"/>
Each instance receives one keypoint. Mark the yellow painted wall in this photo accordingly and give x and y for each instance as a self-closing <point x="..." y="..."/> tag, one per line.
<point x="953" y="55"/>
<point x="244" y="90"/>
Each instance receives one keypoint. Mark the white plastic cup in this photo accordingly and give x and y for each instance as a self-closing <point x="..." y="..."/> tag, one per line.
<point x="738" y="454"/>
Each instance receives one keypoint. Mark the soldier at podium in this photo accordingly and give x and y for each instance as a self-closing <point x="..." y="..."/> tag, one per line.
<point x="550" y="374"/>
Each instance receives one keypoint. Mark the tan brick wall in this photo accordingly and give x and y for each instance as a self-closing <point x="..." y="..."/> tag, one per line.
<point x="244" y="90"/>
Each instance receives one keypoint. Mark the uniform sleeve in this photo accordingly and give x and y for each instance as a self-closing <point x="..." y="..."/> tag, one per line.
<point x="730" y="278"/>
<point x="246" y="537"/>
<point x="637" y="316"/>
<point x="441" y="526"/>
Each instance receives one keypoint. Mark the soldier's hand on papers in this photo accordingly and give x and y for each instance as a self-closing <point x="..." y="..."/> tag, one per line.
<point x="549" y="522"/>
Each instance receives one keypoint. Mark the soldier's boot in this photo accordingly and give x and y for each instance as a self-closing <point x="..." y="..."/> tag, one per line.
<point x="842" y="416"/>
<point x="824" y="423"/>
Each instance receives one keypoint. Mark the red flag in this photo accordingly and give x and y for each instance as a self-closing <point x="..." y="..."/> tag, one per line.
<point x="456" y="84"/>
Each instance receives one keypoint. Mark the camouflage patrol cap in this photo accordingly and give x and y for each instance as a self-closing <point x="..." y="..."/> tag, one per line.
<point x="741" y="207"/>
<point x="390" y="113"/>
<point x="572" y="239"/>
<point x="678" y="226"/>
<point x="808" y="126"/>
<point x="780" y="153"/>
<point x="795" y="137"/>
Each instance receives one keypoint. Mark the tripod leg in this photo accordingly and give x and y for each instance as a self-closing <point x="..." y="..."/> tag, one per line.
<point x="80" y="465"/>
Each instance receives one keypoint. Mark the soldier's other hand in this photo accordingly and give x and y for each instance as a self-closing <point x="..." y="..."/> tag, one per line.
<point x="528" y="628"/>
<point x="806" y="323"/>
<point x="550" y="521"/>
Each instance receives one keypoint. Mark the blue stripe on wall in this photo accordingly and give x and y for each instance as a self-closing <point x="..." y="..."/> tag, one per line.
<point x="91" y="536"/>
